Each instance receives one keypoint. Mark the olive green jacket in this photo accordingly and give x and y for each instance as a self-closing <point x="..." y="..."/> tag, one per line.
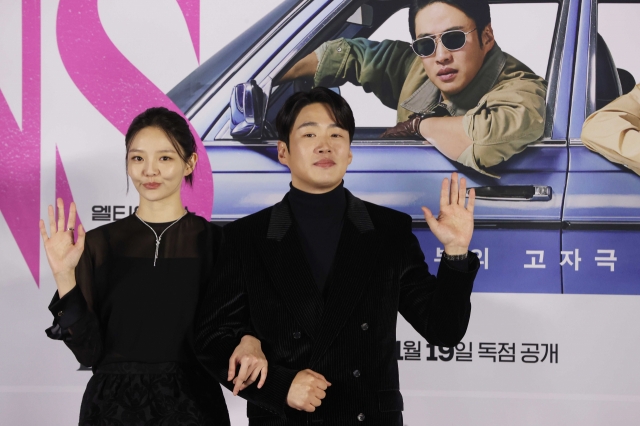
<point x="503" y="106"/>
<point x="614" y="131"/>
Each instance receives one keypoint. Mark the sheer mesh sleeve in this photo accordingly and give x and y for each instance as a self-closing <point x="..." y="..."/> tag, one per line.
<point x="128" y="304"/>
<point x="74" y="319"/>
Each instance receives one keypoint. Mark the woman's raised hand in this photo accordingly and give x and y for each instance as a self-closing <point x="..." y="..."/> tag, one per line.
<point x="63" y="253"/>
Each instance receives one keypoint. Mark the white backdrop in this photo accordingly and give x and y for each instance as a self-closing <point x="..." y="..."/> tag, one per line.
<point x="593" y="381"/>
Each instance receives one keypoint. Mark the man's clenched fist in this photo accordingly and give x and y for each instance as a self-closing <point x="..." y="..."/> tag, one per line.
<point x="307" y="391"/>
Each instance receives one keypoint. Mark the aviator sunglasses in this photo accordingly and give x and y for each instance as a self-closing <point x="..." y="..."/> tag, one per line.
<point x="451" y="40"/>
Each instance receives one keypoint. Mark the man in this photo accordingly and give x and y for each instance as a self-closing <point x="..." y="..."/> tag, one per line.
<point x="482" y="105"/>
<point x="614" y="131"/>
<point x="320" y="277"/>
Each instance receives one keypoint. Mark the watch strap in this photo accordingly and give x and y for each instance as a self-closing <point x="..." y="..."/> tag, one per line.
<point x="455" y="257"/>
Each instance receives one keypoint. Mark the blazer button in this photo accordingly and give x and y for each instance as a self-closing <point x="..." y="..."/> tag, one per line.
<point x="364" y="326"/>
<point x="297" y="335"/>
<point x="356" y="373"/>
<point x="361" y="417"/>
<point x="60" y="313"/>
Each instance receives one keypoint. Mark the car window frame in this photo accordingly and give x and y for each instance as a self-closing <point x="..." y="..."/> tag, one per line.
<point x="584" y="98"/>
<point x="584" y="83"/>
<point x="552" y="135"/>
<point x="296" y="7"/>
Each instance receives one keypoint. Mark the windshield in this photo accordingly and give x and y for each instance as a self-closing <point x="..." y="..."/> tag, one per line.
<point x="189" y="90"/>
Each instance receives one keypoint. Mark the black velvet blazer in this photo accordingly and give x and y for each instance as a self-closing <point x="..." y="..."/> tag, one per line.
<point x="263" y="286"/>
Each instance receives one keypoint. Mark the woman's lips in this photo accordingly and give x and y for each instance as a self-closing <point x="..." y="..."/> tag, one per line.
<point x="447" y="74"/>
<point x="326" y="163"/>
<point x="151" y="185"/>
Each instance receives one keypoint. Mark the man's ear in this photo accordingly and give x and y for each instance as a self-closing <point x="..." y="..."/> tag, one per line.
<point x="350" y="155"/>
<point x="283" y="153"/>
<point x="488" y="41"/>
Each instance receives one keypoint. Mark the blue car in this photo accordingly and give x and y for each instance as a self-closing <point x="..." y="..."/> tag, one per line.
<point x="561" y="219"/>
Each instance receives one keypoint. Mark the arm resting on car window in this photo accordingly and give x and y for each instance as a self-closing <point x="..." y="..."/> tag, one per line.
<point x="614" y="131"/>
<point x="506" y="120"/>
<point x="306" y="67"/>
<point x="446" y="134"/>
<point x="379" y="67"/>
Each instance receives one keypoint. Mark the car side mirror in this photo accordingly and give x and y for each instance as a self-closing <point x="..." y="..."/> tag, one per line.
<point x="363" y="16"/>
<point x="247" y="111"/>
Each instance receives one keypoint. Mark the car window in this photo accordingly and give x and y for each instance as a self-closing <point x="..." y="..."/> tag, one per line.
<point x="524" y="30"/>
<point x="616" y="26"/>
<point x="368" y="111"/>
<point x="189" y="90"/>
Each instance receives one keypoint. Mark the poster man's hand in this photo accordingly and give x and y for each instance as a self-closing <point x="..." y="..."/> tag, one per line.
<point x="454" y="225"/>
<point x="409" y="129"/>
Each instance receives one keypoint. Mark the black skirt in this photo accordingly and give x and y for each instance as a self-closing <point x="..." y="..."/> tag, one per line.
<point x="164" y="394"/>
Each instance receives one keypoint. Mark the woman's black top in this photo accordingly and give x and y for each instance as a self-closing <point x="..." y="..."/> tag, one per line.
<point x="124" y="308"/>
<point x="132" y="322"/>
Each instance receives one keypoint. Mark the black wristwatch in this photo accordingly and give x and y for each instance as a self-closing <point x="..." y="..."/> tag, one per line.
<point x="439" y="111"/>
<point x="454" y="257"/>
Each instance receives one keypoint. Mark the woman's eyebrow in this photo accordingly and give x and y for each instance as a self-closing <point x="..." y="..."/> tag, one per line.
<point x="162" y="150"/>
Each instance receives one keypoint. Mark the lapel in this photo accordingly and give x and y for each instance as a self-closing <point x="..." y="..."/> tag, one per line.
<point x="289" y="270"/>
<point x="357" y="252"/>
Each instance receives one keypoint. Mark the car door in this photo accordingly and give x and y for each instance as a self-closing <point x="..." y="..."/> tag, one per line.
<point x="602" y="205"/>
<point x="517" y="233"/>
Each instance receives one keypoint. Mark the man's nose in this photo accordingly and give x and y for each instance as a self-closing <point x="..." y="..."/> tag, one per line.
<point x="324" y="144"/>
<point x="442" y="54"/>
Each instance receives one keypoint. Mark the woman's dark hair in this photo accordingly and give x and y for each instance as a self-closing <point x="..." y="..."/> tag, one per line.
<point x="173" y="125"/>
<point x="337" y="104"/>
<point x="478" y="10"/>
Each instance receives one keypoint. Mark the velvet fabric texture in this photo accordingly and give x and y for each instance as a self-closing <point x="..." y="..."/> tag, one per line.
<point x="263" y="286"/>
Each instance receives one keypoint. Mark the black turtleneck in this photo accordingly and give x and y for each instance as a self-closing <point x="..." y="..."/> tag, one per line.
<point x="319" y="219"/>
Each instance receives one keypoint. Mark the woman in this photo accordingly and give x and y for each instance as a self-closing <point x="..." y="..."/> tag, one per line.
<point x="128" y="292"/>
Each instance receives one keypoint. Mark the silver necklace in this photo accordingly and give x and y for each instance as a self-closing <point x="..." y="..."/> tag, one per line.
<point x="158" y="238"/>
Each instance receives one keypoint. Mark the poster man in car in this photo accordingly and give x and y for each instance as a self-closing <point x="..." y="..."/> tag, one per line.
<point x="483" y="105"/>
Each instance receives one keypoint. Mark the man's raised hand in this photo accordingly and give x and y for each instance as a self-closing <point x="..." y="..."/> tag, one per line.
<point x="307" y="391"/>
<point x="454" y="225"/>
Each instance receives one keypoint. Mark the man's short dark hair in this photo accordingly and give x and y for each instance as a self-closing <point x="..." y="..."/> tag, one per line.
<point x="337" y="104"/>
<point x="478" y="10"/>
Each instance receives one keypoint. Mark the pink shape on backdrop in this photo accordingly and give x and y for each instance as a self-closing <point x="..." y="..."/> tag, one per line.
<point x="191" y="11"/>
<point x="63" y="190"/>
<point x="20" y="157"/>
<point x="116" y="88"/>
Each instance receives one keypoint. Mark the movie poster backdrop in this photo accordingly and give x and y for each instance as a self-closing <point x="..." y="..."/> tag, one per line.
<point x="554" y="335"/>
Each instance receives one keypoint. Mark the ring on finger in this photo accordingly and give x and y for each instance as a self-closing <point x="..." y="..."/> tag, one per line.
<point x="71" y="229"/>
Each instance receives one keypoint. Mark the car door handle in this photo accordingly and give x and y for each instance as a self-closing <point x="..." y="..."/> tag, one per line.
<point x="513" y="193"/>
